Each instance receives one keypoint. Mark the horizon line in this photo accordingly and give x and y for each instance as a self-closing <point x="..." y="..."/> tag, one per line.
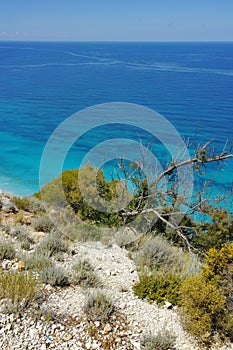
<point x="115" y="41"/>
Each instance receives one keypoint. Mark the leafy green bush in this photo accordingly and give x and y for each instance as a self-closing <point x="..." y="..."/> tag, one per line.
<point x="203" y="305"/>
<point x="164" y="340"/>
<point x="84" y="274"/>
<point x="6" y="251"/>
<point x="22" y="203"/>
<point x="207" y="298"/>
<point x="65" y="190"/>
<point x="215" y="233"/>
<point x="54" y="276"/>
<point x="99" y="306"/>
<point x="217" y="260"/>
<point x="158" y="287"/>
<point x="18" y="288"/>
<point x="30" y="204"/>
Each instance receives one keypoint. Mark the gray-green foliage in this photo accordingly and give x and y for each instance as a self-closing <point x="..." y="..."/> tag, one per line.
<point x="54" y="276"/>
<point x="157" y="253"/>
<point x="86" y="232"/>
<point x="21" y="233"/>
<point x="6" y="251"/>
<point x="98" y="306"/>
<point x="37" y="261"/>
<point x="51" y="245"/>
<point x="84" y="274"/>
<point x="43" y="223"/>
<point x="164" y="340"/>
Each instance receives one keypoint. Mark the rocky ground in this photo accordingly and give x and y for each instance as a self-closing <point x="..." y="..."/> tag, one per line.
<point x="57" y="319"/>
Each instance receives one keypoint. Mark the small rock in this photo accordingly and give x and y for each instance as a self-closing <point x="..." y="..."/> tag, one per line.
<point x="9" y="326"/>
<point x="107" y="328"/>
<point x="168" y="305"/>
<point x="5" y="265"/>
<point x="21" y="265"/>
<point x="88" y="345"/>
<point x="67" y="337"/>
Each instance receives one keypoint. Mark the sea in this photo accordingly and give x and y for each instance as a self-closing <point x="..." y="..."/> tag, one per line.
<point x="42" y="84"/>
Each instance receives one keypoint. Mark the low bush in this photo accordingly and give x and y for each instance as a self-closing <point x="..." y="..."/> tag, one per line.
<point x="18" y="289"/>
<point x="22" y="203"/>
<point x="54" y="276"/>
<point x="157" y="253"/>
<point x="6" y="251"/>
<point x="43" y="223"/>
<point x="52" y="245"/>
<point x="88" y="232"/>
<point x="37" y="261"/>
<point x="158" y="287"/>
<point x="30" y="204"/>
<point x="99" y="307"/>
<point x="21" y="233"/>
<point x="164" y="340"/>
<point x="84" y="274"/>
<point x="124" y="237"/>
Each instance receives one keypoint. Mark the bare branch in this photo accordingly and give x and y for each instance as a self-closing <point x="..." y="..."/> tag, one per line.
<point x="169" y="170"/>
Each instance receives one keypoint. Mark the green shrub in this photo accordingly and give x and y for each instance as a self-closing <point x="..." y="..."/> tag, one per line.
<point x="43" y="223"/>
<point x="207" y="298"/>
<point x="215" y="233"/>
<point x="164" y="340"/>
<point x="203" y="305"/>
<point x="18" y="288"/>
<point x="6" y="251"/>
<point x="65" y="190"/>
<point x="51" y="245"/>
<point x="84" y="274"/>
<point x="217" y="260"/>
<point x="158" y="287"/>
<point x="22" y="203"/>
<point x="54" y="276"/>
<point x="99" y="307"/>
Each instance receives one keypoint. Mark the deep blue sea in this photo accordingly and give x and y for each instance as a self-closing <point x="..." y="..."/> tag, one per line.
<point x="43" y="83"/>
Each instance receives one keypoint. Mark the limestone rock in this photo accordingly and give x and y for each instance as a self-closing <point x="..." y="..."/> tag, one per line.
<point x="107" y="328"/>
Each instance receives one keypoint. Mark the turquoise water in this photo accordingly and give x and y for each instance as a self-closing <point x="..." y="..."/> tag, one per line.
<point x="42" y="84"/>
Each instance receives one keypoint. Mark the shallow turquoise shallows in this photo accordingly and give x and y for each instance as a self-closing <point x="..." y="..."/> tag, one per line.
<point x="42" y="84"/>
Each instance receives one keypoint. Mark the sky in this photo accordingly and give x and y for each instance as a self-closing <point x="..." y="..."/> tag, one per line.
<point x="116" y="20"/>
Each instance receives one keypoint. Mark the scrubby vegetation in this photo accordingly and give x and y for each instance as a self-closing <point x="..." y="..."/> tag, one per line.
<point x="207" y="298"/>
<point x="164" y="340"/>
<point x="53" y="244"/>
<point x="84" y="274"/>
<point x="99" y="307"/>
<point x="17" y="289"/>
<point x="6" y="251"/>
<point x="54" y="276"/>
<point x="158" y="287"/>
<point x="189" y="265"/>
